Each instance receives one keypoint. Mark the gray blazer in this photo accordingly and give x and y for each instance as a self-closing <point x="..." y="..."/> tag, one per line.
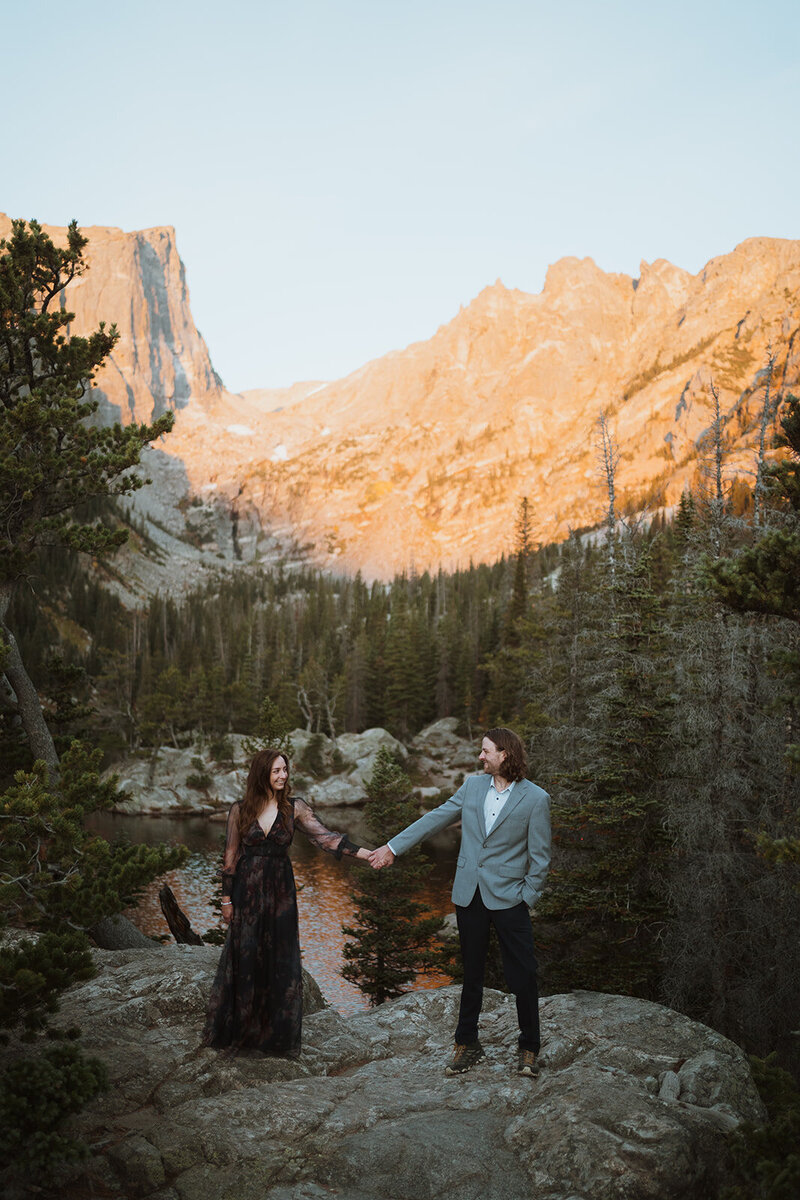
<point x="510" y="864"/>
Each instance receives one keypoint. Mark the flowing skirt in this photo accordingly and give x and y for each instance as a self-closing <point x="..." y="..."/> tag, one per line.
<point x="256" y="1000"/>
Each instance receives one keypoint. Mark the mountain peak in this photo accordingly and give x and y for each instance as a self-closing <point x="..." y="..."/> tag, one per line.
<point x="570" y="272"/>
<point x="137" y="282"/>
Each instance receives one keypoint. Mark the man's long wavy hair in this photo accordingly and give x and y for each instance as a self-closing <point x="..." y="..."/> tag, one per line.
<point x="257" y="789"/>
<point x="515" y="763"/>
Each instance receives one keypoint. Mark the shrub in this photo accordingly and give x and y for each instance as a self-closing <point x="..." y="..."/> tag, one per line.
<point x="767" y="1157"/>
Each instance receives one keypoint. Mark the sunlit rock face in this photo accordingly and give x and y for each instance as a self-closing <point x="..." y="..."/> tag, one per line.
<point x="137" y="282"/>
<point x="420" y="458"/>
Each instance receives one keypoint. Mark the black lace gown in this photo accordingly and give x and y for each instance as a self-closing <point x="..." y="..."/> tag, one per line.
<point x="256" y="1000"/>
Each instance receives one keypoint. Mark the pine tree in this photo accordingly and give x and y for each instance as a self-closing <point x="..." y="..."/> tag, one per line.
<point x="600" y="921"/>
<point x="731" y="963"/>
<point x="273" y="730"/>
<point x="54" y="875"/>
<point x="52" y="460"/>
<point x="765" y="579"/>
<point x="58" y="878"/>
<point x="509" y="666"/>
<point x="355" y="686"/>
<point x="390" y="943"/>
<point x="399" y="666"/>
<point x="163" y="712"/>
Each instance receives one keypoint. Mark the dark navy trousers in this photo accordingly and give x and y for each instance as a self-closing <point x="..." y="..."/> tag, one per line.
<point x="515" y="935"/>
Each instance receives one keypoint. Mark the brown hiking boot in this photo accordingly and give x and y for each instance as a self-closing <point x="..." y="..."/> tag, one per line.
<point x="528" y="1063"/>
<point x="465" y="1057"/>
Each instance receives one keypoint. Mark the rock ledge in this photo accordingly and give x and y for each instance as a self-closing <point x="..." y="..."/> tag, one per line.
<point x="633" y="1101"/>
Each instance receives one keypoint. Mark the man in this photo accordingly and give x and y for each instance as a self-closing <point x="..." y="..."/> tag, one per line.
<point x="502" y="865"/>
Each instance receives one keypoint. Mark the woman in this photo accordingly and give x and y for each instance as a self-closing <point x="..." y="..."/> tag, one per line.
<point x="256" y="1001"/>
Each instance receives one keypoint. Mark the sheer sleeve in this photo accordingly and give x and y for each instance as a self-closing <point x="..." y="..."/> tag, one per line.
<point x="232" y="849"/>
<point x="315" y="831"/>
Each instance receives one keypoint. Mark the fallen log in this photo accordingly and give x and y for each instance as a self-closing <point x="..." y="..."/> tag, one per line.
<point x="118" y="933"/>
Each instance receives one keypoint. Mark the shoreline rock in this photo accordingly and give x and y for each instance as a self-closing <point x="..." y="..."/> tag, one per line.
<point x="158" y="785"/>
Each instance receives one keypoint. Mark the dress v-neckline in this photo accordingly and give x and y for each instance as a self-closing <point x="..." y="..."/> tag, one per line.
<point x="267" y="832"/>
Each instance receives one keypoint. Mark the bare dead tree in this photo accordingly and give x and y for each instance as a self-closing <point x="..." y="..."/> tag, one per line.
<point x="318" y="697"/>
<point x="608" y="458"/>
<point x="766" y="414"/>
<point x="717" y="443"/>
<point x="305" y="707"/>
<point x="441" y="597"/>
<point x="330" y="701"/>
<point x="714" y="491"/>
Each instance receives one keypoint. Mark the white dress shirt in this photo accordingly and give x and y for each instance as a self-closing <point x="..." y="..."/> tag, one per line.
<point x="492" y="807"/>
<point x="493" y="804"/>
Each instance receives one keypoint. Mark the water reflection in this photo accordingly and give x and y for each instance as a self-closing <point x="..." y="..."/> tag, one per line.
<point x="323" y="890"/>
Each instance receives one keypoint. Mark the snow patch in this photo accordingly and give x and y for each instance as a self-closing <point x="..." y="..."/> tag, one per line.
<point x="280" y="453"/>
<point x="240" y="430"/>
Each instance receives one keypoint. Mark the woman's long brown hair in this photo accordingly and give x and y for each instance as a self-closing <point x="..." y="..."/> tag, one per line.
<point x="257" y="789"/>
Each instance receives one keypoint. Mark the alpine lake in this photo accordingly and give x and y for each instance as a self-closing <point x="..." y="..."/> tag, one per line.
<point x="324" y="887"/>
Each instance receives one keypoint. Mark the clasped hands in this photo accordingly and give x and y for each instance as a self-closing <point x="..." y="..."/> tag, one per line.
<point x="382" y="857"/>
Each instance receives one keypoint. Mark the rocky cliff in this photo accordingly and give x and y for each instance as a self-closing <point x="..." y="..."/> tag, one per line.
<point x="137" y="282"/>
<point x="421" y="457"/>
<point x="633" y="1103"/>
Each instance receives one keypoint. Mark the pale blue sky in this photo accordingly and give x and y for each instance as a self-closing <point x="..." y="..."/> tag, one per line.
<point x="342" y="176"/>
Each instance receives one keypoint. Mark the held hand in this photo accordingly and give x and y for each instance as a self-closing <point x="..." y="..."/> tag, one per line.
<point x="227" y="912"/>
<point x="364" y="853"/>
<point x="382" y="857"/>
